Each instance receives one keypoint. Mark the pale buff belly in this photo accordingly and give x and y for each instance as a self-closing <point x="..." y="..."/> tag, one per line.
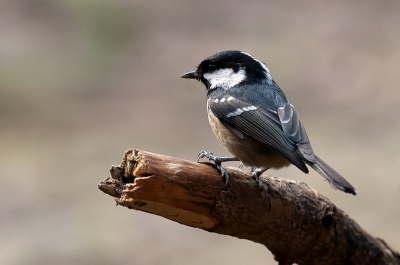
<point x="249" y="151"/>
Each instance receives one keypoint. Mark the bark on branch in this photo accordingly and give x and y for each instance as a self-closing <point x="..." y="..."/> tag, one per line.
<point x="295" y="222"/>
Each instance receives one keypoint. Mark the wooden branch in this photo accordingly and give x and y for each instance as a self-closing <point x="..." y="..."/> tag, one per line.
<point x="295" y="222"/>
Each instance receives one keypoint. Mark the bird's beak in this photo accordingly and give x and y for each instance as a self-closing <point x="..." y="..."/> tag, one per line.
<point x="191" y="75"/>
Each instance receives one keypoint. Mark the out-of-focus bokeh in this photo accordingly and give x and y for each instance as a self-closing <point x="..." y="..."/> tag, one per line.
<point x="82" y="81"/>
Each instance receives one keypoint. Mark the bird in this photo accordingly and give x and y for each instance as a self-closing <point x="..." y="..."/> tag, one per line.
<point x="253" y="119"/>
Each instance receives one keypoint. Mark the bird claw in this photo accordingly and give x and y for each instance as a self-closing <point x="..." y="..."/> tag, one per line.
<point x="217" y="161"/>
<point x="224" y="173"/>
<point x="203" y="154"/>
<point x="256" y="173"/>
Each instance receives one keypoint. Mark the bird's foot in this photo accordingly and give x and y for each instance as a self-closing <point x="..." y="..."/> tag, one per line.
<point x="256" y="173"/>
<point x="217" y="161"/>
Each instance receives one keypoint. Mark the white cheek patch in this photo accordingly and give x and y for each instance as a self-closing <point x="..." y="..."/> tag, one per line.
<point x="225" y="78"/>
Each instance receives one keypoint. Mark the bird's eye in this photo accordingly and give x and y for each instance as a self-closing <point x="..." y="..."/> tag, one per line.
<point x="211" y="68"/>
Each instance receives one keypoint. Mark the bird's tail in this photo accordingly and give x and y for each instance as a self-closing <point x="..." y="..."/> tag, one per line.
<point x="336" y="181"/>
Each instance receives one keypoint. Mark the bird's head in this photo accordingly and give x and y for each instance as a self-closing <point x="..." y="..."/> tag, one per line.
<point x="229" y="68"/>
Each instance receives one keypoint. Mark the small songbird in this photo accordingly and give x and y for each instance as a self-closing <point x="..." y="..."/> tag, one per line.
<point x="254" y="120"/>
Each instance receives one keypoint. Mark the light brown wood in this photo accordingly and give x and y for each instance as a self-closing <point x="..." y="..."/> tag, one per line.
<point x="295" y="222"/>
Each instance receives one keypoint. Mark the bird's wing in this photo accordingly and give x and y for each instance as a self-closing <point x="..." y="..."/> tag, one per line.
<point x="263" y="125"/>
<point x="294" y="130"/>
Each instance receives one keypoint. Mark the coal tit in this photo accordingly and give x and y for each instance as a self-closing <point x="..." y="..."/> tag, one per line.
<point x="254" y="120"/>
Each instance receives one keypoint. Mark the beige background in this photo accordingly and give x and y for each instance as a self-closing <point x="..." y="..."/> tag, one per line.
<point x="82" y="81"/>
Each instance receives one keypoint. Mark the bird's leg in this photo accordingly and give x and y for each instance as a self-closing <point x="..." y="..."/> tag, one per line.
<point x="256" y="173"/>
<point x="217" y="161"/>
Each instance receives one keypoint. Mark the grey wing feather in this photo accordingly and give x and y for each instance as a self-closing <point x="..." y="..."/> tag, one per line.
<point x="295" y="131"/>
<point x="261" y="124"/>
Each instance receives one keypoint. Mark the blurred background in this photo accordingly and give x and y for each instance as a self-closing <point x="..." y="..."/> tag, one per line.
<point x="81" y="81"/>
